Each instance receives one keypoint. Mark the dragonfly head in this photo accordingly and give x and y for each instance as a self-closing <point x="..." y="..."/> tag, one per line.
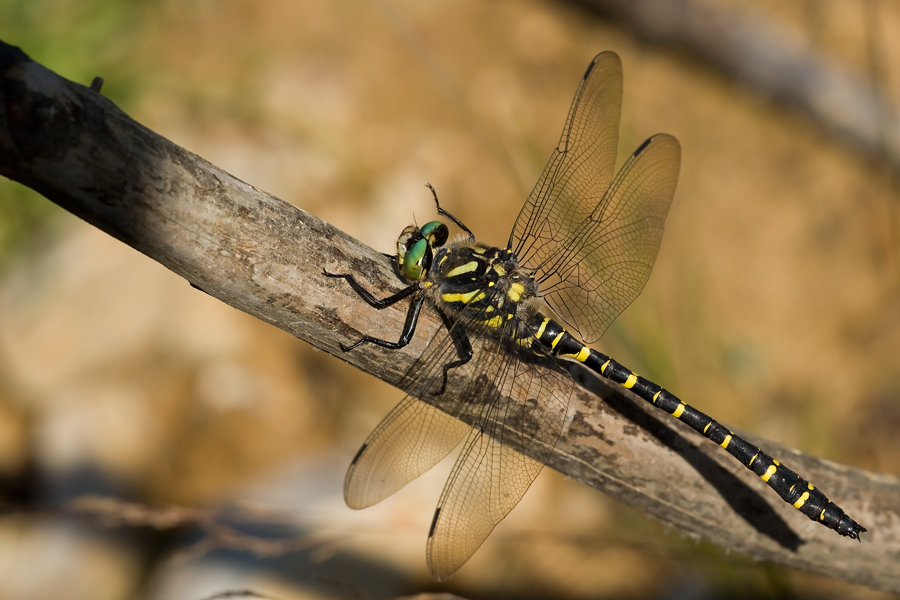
<point x="416" y="246"/>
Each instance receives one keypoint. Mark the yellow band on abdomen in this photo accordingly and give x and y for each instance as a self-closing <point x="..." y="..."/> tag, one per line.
<point x="802" y="500"/>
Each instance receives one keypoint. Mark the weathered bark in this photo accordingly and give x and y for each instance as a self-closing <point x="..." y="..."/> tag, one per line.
<point x="265" y="257"/>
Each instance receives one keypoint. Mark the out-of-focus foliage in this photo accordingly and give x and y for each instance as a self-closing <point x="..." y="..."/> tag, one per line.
<point x="79" y="39"/>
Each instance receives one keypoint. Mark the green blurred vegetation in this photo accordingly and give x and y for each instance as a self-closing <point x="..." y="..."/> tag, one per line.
<point x="79" y="39"/>
<point x="24" y="214"/>
<point x="84" y="38"/>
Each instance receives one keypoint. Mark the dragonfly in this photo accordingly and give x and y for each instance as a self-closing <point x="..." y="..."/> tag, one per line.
<point x="495" y="374"/>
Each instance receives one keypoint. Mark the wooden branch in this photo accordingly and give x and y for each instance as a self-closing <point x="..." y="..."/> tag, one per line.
<point x="773" y="62"/>
<point x="265" y="257"/>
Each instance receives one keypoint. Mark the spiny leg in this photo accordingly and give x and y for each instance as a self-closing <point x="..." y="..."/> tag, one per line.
<point x="460" y="340"/>
<point x="367" y="295"/>
<point x="412" y="315"/>
<point x="444" y="213"/>
<point x="462" y="345"/>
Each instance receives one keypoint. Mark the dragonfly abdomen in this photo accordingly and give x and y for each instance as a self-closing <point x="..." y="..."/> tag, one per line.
<point x="792" y="488"/>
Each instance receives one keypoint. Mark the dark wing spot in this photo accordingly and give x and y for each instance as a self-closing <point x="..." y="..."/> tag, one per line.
<point x="358" y="454"/>
<point x="642" y="146"/>
<point x="434" y="521"/>
<point x="590" y="67"/>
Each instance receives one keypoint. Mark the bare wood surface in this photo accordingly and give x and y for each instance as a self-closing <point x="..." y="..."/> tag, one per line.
<point x="773" y="61"/>
<point x="265" y="257"/>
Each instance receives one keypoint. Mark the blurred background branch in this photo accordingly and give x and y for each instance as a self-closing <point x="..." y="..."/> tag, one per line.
<point x="776" y="63"/>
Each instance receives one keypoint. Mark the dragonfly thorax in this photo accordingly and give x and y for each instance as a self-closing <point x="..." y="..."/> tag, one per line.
<point x="484" y="280"/>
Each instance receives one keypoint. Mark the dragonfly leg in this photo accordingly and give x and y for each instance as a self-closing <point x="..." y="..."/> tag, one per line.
<point x="409" y="328"/>
<point x="367" y="295"/>
<point x="444" y="213"/>
<point x="463" y="349"/>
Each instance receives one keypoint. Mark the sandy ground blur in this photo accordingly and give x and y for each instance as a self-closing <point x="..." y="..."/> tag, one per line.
<point x="773" y="305"/>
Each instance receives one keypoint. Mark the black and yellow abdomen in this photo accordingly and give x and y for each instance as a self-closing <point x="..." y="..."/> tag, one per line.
<point x="792" y="488"/>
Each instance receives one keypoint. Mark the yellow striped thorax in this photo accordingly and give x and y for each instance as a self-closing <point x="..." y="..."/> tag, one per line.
<point x="480" y="279"/>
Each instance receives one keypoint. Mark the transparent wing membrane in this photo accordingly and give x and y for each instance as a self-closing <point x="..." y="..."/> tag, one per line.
<point x="415" y="435"/>
<point x="591" y="240"/>
<point x="413" y="438"/>
<point x="607" y="263"/>
<point x="524" y="411"/>
<point x="579" y="170"/>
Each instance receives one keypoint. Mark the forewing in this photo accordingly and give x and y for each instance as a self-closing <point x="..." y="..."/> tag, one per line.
<point x="606" y="264"/>
<point x="522" y="407"/>
<point x="579" y="170"/>
<point x="592" y="243"/>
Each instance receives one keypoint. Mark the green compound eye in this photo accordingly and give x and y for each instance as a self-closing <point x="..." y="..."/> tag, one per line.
<point x="436" y="233"/>
<point x="417" y="260"/>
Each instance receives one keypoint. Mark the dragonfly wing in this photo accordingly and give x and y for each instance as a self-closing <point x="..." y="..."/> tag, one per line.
<point x="591" y="239"/>
<point x="525" y="410"/>
<point x="579" y="170"/>
<point x="411" y="439"/>
<point x="416" y="435"/>
<point x="609" y="259"/>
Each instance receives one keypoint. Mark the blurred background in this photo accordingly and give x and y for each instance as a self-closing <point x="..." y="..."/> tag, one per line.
<point x="157" y="444"/>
